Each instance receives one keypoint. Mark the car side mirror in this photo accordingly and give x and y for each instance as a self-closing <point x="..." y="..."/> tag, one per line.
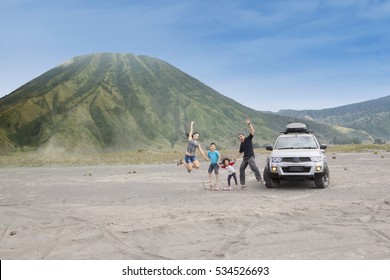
<point x="323" y="146"/>
<point x="269" y="148"/>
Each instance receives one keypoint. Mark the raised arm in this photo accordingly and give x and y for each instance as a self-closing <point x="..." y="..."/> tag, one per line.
<point x="251" y="129"/>
<point x="191" y="131"/>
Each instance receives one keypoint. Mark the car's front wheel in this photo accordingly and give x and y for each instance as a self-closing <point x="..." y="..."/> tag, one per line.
<point x="323" y="182"/>
<point x="269" y="182"/>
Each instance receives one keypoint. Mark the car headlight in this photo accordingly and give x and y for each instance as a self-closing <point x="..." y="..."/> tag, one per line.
<point x="316" y="159"/>
<point x="276" y="159"/>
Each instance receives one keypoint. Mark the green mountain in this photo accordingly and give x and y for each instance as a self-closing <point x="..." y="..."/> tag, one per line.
<point x="371" y="116"/>
<point x="116" y="101"/>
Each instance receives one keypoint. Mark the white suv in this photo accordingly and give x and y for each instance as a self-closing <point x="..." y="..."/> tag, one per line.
<point x="296" y="155"/>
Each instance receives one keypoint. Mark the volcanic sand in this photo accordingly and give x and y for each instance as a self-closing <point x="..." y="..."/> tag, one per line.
<point x="162" y="212"/>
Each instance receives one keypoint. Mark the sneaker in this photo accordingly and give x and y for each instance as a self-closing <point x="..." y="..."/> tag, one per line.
<point x="180" y="162"/>
<point x="260" y="180"/>
<point x="207" y="185"/>
<point x="243" y="187"/>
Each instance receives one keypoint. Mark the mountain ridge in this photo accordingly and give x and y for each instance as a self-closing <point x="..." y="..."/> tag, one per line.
<point x="120" y="101"/>
<point x="372" y="116"/>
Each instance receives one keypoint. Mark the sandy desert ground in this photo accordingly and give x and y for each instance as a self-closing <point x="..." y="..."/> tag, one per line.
<point x="162" y="212"/>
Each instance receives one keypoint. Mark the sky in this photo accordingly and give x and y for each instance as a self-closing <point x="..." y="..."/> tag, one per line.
<point x="265" y="54"/>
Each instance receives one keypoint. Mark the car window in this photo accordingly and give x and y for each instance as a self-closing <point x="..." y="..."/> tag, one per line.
<point x="296" y="143"/>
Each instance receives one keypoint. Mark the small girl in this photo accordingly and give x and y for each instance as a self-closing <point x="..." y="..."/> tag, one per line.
<point x="228" y="165"/>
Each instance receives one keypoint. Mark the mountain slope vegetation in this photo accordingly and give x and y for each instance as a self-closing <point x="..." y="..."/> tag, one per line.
<point x="371" y="116"/>
<point x="120" y="101"/>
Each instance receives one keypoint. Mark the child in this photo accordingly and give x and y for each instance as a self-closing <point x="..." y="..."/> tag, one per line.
<point x="214" y="156"/>
<point x="228" y="165"/>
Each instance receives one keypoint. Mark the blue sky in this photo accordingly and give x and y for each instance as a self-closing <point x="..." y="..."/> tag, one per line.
<point x="266" y="54"/>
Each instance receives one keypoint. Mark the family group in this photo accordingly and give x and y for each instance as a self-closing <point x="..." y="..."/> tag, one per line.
<point x="246" y="149"/>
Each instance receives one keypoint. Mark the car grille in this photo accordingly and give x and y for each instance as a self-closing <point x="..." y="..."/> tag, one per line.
<point x="296" y="159"/>
<point x="296" y="169"/>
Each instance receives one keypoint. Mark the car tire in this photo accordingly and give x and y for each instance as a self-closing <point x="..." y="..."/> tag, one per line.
<point x="269" y="182"/>
<point x="323" y="182"/>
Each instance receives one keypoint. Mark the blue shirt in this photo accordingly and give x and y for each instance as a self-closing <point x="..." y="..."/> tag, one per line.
<point x="214" y="156"/>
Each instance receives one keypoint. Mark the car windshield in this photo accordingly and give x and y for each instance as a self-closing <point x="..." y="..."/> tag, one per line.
<point x="296" y="142"/>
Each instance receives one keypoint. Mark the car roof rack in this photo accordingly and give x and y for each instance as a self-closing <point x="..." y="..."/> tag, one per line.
<point x="296" y="128"/>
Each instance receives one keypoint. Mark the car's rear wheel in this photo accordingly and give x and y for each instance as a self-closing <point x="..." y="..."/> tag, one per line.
<point x="323" y="182"/>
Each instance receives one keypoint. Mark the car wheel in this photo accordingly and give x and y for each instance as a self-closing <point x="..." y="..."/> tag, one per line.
<point x="269" y="182"/>
<point x="323" y="182"/>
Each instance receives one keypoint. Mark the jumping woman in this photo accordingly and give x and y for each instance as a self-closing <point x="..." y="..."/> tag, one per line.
<point x="190" y="160"/>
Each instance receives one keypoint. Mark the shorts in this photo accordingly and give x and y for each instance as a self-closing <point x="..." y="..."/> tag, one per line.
<point x="215" y="167"/>
<point x="189" y="159"/>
